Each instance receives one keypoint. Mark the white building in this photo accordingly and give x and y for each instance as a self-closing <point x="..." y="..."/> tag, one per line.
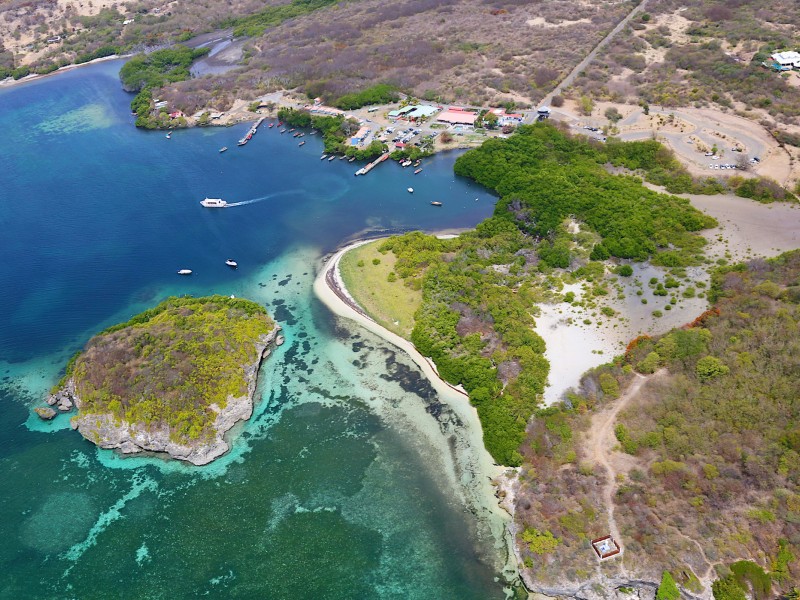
<point x="785" y="61"/>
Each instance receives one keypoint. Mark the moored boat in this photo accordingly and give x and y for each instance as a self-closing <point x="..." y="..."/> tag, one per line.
<point x="214" y="203"/>
<point x="352" y="158"/>
<point x="301" y="143"/>
<point x="231" y="263"/>
<point x="323" y="157"/>
<point x="330" y="158"/>
<point x="418" y="171"/>
<point x="185" y="272"/>
<point x="436" y="203"/>
<point x="223" y="149"/>
<point x="410" y="190"/>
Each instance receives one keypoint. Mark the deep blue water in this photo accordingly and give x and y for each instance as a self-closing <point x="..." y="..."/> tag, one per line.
<point x="325" y="494"/>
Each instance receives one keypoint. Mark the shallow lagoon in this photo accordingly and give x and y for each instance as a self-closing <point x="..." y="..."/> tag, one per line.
<point x="330" y="490"/>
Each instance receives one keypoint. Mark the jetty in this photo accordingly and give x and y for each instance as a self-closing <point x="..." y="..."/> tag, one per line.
<point x="252" y="132"/>
<point x="367" y="168"/>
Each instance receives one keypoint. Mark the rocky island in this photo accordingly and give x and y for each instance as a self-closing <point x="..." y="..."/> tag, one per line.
<point x="173" y="379"/>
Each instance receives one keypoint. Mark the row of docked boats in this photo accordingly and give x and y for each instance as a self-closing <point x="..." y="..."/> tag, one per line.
<point x="252" y="132"/>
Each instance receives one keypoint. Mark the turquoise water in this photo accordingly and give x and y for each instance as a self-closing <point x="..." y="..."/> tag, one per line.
<point x="331" y="489"/>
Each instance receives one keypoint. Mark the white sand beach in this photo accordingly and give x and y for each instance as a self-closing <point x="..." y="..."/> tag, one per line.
<point x="472" y="465"/>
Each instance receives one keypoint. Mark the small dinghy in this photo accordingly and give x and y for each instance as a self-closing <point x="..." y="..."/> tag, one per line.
<point x="232" y="263"/>
<point x="185" y="272"/>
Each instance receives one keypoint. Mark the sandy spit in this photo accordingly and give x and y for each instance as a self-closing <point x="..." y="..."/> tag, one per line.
<point x="330" y="289"/>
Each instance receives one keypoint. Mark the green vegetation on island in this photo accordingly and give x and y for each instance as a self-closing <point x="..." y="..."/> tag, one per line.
<point x="170" y="364"/>
<point x="559" y="209"/>
<point x="145" y="72"/>
<point x="336" y="132"/>
<point x="713" y="476"/>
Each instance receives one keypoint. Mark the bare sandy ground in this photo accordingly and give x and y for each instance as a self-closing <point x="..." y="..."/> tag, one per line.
<point x="747" y="230"/>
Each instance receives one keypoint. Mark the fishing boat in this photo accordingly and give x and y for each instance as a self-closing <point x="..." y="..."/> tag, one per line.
<point x="185" y="272"/>
<point x="271" y="125"/>
<point x="323" y="157"/>
<point x="231" y="263"/>
<point x="352" y="158"/>
<point x="436" y="203"/>
<point x="410" y="190"/>
<point x="214" y="203"/>
<point x="301" y="143"/>
<point x="342" y="157"/>
<point x="330" y="158"/>
<point x="418" y="171"/>
<point x="417" y="163"/>
<point x="221" y="150"/>
<point x="283" y="131"/>
<point x="291" y="130"/>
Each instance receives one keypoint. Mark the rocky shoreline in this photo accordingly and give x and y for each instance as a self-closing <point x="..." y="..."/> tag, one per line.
<point x="106" y="431"/>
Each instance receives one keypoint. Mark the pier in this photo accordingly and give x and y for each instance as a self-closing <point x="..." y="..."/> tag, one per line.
<point x="252" y="132"/>
<point x="367" y="168"/>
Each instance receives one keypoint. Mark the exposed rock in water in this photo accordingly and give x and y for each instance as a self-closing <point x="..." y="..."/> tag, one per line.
<point x="279" y="341"/>
<point x="174" y="379"/>
<point x="130" y="438"/>
<point x="45" y="412"/>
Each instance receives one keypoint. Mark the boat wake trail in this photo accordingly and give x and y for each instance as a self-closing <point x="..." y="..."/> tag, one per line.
<point x="262" y="198"/>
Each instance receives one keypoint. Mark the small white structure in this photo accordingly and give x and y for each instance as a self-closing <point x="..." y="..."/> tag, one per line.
<point x="785" y="61"/>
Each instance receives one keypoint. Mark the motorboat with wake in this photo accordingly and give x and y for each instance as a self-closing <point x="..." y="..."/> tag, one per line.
<point x="214" y="203"/>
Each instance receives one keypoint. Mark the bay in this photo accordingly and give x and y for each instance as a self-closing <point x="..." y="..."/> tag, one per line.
<point x="352" y="479"/>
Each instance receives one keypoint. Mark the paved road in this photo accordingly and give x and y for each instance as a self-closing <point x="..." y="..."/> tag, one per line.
<point x="581" y="66"/>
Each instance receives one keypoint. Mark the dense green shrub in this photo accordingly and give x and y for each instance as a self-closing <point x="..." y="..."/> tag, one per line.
<point x="377" y="94"/>
<point x="667" y="589"/>
<point x="544" y="175"/>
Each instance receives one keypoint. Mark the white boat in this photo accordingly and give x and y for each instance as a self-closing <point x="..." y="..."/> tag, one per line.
<point x="323" y="157"/>
<point x="231" y="263"/>
<point x="185" y="272"/>
<point x="214" y="203"/>
<point x="410" y="190"/>
<point x="223" y="149"/>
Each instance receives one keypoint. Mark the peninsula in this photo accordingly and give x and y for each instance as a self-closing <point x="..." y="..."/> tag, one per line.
<point x="173" y="379"/>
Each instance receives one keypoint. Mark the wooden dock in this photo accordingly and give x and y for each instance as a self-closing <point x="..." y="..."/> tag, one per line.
<point x="367" y="168"/>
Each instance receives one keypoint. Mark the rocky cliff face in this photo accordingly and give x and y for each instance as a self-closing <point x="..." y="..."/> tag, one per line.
<point x="109" y="432"/>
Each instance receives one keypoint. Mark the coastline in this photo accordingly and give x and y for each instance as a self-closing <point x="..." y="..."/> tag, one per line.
<point x="9" y="82"/>
<point x="487" y="487"/>
<point x="330" y="289"/>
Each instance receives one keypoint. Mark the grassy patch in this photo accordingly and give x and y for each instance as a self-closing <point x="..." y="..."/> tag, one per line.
<point x="392" y="304"/>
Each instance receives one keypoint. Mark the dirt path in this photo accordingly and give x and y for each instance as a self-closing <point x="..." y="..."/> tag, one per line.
<point x="600" y="443"/>
<point x="581" y="66"/>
